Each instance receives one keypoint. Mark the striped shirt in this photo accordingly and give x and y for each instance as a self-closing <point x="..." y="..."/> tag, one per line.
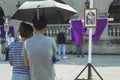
<point x="16" y="58"/>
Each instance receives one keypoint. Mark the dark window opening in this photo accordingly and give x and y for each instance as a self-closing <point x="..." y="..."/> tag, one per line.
<point x="114" y="11"/>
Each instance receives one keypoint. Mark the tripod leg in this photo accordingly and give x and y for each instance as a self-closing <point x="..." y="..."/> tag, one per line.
<point x="81" y="72"/>
<point x="97" y="72"/>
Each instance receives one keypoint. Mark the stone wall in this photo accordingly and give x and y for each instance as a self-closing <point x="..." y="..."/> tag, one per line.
<point x="102" y="47"/>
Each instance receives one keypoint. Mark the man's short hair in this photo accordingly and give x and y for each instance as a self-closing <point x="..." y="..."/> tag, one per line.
<point x="39" y="24"/>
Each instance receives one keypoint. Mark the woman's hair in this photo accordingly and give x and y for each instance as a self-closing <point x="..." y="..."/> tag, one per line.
<point x="39" y="24"/>
<point x="25" y="29"/>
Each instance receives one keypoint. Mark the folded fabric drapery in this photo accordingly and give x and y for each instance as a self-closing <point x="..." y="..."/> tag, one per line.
<point x="78" y="30"/>
<point x="101" y="24"/>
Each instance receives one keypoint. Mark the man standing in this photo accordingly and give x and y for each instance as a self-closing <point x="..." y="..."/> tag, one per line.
<point x="39" y="51"/>
<point x="61" y="39"/>
<point x="79" y="50"/>
<point x="9" y="40"/>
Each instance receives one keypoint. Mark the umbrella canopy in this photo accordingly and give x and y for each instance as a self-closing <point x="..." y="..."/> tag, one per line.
<point x="53" y="11"/>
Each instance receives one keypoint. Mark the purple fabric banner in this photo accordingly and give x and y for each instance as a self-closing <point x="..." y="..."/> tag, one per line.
<point x="101" y="24"/>
<point x="11" y="30"/>
<point x="78" y="30"/>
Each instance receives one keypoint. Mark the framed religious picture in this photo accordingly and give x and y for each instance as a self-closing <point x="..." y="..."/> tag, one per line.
<point x="6" y="27"/>
<point x="90" y="18"/>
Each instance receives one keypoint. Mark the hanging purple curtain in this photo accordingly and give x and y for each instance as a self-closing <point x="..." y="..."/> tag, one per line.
<point x="77" y="31"/>
<point x="11" y="30"/>
<point x="101" y="24"/>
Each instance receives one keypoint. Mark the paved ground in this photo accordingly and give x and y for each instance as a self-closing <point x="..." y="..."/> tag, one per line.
<point x="108" y="66"/>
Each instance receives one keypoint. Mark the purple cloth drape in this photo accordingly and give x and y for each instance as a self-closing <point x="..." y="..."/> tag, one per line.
<point x="101" y="24"/>
<point x="78" y="30"/>
<point x="11" y="30"/>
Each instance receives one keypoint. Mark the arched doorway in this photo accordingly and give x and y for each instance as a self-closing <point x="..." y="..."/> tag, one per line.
<point x="1" y="16"/>
<point x="114" y="11"/>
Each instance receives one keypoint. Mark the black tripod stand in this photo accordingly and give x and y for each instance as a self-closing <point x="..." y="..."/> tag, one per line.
<point x="89" y="65"/>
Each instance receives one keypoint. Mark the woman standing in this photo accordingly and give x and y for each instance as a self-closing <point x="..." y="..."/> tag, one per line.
<point x="15" y="53"/>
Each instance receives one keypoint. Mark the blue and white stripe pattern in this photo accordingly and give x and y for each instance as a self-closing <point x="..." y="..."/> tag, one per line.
<point x="16" y="58"/>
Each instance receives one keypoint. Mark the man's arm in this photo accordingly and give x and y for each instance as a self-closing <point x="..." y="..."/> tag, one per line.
<point x="55" y="57"/>
<point x="26" y="60"/>
<point x="82" y="39"/>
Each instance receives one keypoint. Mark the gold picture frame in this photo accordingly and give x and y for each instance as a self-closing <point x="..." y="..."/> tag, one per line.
<point x="90" y="18"/>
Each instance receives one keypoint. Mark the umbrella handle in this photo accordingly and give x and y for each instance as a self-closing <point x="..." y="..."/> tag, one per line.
<point x="38" y="12"/>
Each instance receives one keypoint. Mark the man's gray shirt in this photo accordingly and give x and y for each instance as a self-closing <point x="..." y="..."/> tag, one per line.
<point x="39" y="50"/>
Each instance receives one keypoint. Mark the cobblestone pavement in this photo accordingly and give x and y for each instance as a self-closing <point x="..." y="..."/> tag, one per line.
<point x="108" y="66"/>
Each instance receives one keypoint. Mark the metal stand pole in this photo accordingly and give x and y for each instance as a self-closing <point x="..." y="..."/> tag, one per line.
<point x="89" y="65"/>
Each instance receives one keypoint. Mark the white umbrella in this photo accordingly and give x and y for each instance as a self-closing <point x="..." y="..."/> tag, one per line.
<point x="53" y="11"/>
